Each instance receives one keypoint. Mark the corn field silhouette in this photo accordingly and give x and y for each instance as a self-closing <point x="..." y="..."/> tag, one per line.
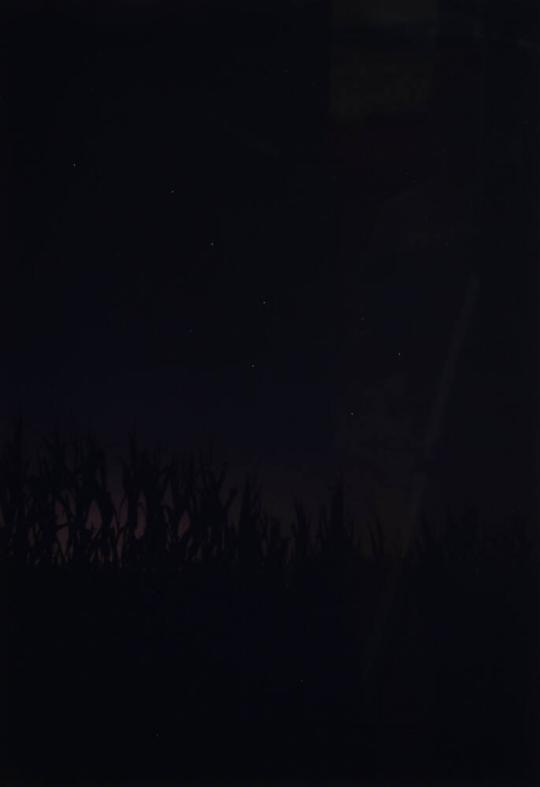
<point x="172" y="626"/>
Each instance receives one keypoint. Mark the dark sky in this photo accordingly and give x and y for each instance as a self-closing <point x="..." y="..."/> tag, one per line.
<point x="240" y="223"/>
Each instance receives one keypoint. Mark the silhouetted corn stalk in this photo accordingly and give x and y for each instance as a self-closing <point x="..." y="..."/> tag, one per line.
<point x="131" y="503"/>
<point x="215" y="511"/>
<point x="197" y="520"/>
<point x="337" y="541"/>
<point x="275" y="549"/>
<point x="106" y="541"/>
<point x="302" y="535"/>
<point x="176" y="512"/>
<point x="153" y="486"/>
<point x="14" y="497"/>
<point x="303" y="551"/>
<point x="377" y="540"/>
<point x="250" y="553"/>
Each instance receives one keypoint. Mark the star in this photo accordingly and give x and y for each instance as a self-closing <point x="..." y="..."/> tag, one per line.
<point x="252" y="365"/>
<point x="74" y="164"/>
<point x="171" y="191"/>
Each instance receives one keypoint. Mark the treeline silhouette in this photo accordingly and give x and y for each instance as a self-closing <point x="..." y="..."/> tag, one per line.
<point x="172" y="627"/>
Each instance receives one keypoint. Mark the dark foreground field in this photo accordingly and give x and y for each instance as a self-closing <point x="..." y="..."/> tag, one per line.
<point x="227" y="649"/>
<point x="142" y="678"/>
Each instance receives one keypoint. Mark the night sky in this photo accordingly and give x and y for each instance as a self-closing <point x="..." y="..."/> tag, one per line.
<point x="241" y="222"/>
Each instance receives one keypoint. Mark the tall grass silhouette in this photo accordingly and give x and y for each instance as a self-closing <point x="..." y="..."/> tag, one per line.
<point x="174" y="608"/>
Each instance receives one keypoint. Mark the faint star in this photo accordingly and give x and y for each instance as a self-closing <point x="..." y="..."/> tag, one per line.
<point x="212" y="244"/>
<point x="252" y="365"/>
<point x="171" y="191"/>
<point x="74" y="164"/>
